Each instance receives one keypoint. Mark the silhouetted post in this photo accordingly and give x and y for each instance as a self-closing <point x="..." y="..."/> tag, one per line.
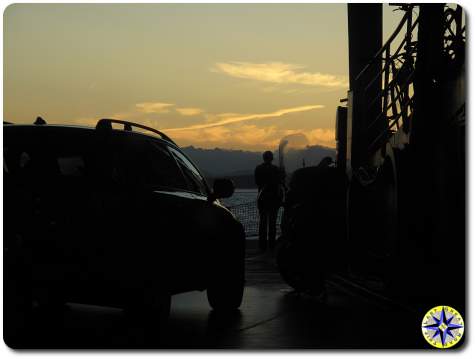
<point x="427" y="137"/>
<point x="341" y="137"/>
<point x="428" y="121"/>
<point x="365" y="26"/>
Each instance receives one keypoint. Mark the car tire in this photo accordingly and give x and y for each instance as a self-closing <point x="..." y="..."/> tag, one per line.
<point x="225" y="292"/>
<point x="289" y="267"/>
<point x="302" y="273"/>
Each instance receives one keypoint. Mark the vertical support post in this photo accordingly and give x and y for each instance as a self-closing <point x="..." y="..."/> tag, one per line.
<point x="429" y="63"/>
<point x="427" y="140"/>
<point x="340" y="137"/>
<point x="365" y="24"/>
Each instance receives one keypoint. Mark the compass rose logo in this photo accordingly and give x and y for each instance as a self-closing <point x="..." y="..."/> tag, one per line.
<point x="442" y="327"/>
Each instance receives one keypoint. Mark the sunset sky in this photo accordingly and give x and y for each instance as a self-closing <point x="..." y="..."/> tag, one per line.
<point x="237" y="76"/>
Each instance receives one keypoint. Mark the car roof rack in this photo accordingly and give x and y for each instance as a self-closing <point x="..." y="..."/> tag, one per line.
<point x="106" y="124"/>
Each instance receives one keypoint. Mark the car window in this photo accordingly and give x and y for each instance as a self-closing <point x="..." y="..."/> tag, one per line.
<point x="192" y="175"/>
<point x="165" y="171"/>
<point x="145" y="163"/>
<point x="47" y="160"/>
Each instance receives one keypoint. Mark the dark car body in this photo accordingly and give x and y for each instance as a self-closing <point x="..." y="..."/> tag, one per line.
<point x="313" y="231"/>
<point x="109" y="216"/>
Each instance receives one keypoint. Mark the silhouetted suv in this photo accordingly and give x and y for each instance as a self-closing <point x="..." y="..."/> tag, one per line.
<point x="115" y="217"/>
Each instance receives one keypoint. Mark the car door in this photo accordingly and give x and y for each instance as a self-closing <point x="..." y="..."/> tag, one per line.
<point x="168" y="210"/>
<point x="138" y="203"/>
<point x="203" y="218"/>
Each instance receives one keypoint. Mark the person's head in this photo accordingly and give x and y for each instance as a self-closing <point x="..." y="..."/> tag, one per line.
<point x="268" y="157"/>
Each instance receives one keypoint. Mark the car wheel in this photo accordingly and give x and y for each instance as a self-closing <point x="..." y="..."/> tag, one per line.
<point x="297" y="269"/>
<point x="225" y="292"/>
<point x="289" y="267"/>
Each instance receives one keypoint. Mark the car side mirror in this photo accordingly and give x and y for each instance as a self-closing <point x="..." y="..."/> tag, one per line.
<point x="223" y="188"/>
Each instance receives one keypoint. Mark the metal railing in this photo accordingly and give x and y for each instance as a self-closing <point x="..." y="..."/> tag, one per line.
<point x="454" y="34"/>
<point x="248" y="215"/>
<point x="394" y="103"/>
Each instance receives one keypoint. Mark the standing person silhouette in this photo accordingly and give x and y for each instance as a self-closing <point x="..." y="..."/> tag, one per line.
<point x="268" y="178"/>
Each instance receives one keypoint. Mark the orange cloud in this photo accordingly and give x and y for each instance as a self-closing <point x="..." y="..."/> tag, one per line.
<point x="229" y="130"/>
<point x="154" y="107"/>
<point x="279" y="73"/>
<point x="231" y="118"/>
<point x="247" y="136"/>
<point x="321" y="136"/>
<point x="189" y="111"/>
<point x="238" y="136"/>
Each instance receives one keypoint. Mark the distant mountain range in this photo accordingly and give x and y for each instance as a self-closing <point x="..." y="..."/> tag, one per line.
<point x="239" y="165"/>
